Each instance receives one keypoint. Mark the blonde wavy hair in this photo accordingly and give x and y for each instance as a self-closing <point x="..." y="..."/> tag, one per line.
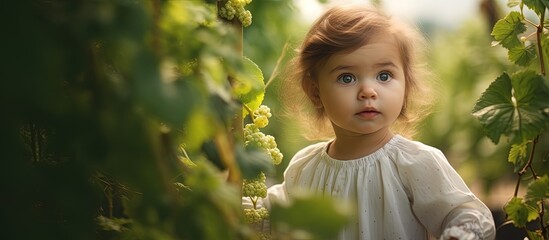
<point x="343" y="29"/>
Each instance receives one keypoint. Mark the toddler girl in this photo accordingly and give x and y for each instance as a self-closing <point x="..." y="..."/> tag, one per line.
<point x="359" y="72"/>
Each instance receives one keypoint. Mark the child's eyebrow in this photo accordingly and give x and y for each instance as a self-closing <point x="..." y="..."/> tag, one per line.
<point x="342" y="67"/>
<point x="386" y="64"/>
<point x="377" y="65"/>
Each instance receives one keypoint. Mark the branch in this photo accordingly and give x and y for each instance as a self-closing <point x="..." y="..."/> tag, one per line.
<point x="540" y="50"/>
<point x="530" y="158"/>
<point x="527" y="166"/>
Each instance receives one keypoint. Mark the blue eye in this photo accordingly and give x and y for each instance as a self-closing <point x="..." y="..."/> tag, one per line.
<point x="384" y="76"/>
<point x="346" y="78"/>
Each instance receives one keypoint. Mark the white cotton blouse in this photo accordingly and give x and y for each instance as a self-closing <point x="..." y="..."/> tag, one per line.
<point x="404" y="190"/>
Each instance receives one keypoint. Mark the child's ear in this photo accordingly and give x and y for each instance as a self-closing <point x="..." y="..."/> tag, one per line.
<point x="310" y="87"/>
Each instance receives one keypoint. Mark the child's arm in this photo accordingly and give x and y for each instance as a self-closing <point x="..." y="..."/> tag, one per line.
<point x="462" y="224"/>
<point x="441" y="200"/>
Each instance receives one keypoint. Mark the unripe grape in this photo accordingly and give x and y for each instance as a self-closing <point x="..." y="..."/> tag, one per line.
<point x="276" y="156"/>
<point x="253" y="215"/>
<point x="234" y="8"/>
<point x="261" y="121"/>
<point x="255" y="187"/>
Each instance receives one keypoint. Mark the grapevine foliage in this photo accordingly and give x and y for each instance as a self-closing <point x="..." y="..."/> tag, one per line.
<point x="516" y="106"/>
<point x="119" y="121"/>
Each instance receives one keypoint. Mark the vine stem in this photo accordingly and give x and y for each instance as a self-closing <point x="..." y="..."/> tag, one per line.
<point x="249" y="110"/>
<point x="539" y="33"/>
<point x="278" y="61"/>
<point x="527" y="166"/>
<point x="530" y="158"/>
<point x="540" y="50"/>
<point x="517" y="185"/>
<point x="237" y="128"/>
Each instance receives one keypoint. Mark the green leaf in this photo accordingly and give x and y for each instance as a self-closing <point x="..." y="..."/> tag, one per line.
<point x="303" y="216"/>
<point x="199" y="128"/>
<point x="519" y="212"/>
<point x="513" y="3"/>
<point x="513" y="106"/>
<point x="523" y="55"/>
<point x="517" y="155"/>
<point x="506" y="30"/>
<point x="537" y="5"/>
<point x="253" y="160"/>
<point x="249" y="86"/>
<point x="538" y="190"/>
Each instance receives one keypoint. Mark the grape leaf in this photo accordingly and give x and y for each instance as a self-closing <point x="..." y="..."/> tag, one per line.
<point x="517" y="155"/>
<point x="519" y="212"/>
<point x="538" y="189"/>
<point x="537" y="5"/>
<point x="249" y="86"/>
<point x="513" y="106"/>
<point x="522" y="55"/>
<point x="506" y="30"/>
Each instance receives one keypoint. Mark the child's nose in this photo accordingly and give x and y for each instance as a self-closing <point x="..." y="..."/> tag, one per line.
<point x="367" y="92"/>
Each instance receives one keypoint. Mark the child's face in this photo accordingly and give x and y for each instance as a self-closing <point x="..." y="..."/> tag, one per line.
<point x="362" y="92"/>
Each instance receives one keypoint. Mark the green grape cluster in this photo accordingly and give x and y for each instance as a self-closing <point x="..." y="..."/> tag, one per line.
<point x="235" y="8"/>
<point x="253" y="215"/>
<point x="261" y="116"/>
<point x="252" y="135"/>
<point x="255" y="187"/>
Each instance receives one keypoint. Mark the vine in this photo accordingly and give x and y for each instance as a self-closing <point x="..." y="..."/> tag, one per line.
<point x="135" y="114"/>
<point x="516" y="105"/>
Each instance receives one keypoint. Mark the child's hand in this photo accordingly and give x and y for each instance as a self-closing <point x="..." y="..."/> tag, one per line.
<point x="460" y="233"/>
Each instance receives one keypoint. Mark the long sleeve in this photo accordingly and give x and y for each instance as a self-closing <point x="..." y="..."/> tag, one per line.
<point x="439" y="197"/>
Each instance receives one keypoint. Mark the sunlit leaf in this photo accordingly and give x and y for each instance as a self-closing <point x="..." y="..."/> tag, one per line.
<point x="249" y="86"/>
<point x="513" y="106"/>
<point x="517" y="155"/>
<point x="198" y="129"/>
<point x="519" y="212"/>
<point x="303" y="215"/>
<point x="522" y="55"/>
<point x="506" y="30"/>
<point x="538" y="189"/>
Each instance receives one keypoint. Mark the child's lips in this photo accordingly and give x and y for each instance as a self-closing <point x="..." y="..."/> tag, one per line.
<point x="369" y="113"/>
